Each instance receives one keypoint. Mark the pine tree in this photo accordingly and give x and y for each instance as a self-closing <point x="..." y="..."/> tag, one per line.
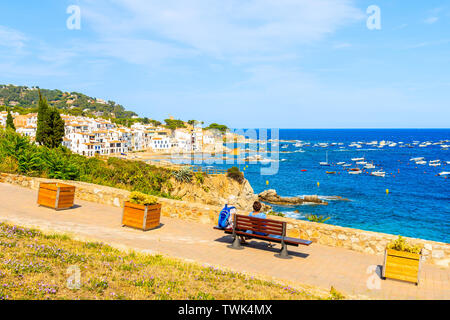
<point x="43" y="129"/>
<point x="57" y="125"/>
<point x="50" y="126"/>
<point x="10" y="121"/>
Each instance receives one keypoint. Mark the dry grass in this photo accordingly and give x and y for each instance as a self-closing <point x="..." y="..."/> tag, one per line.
<point x="34" y="265"/>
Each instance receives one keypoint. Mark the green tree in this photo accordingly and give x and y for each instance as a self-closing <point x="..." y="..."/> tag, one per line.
<point x="174" y="124"/>
<point x="50" y="126"/>
<point x="214" y="126"/>
<point x="10" y="121"/>
<point x="57" y="126"/>
<point x="43" y="130"/>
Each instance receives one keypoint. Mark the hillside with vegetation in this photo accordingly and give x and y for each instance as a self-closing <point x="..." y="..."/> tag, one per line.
<point x="18" y="155"/>
<point x="25" y="99"/>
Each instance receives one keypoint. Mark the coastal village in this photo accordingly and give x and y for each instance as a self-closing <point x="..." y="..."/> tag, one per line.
<point x="91" y="136"/>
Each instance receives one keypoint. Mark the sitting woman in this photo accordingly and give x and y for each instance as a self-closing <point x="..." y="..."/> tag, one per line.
<point x="257" y="214"/>
<point x="257" y="211"/>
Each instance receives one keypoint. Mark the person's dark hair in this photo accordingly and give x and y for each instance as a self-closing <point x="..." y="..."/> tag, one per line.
<point x="257" y="206"/>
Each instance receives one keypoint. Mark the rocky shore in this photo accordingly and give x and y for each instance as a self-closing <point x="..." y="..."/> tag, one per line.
<point x="271" y="196"/>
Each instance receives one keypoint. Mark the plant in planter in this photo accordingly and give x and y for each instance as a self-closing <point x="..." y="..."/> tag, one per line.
<point x="141" y="211"/>
<point x="56" y="195"/>
<point x="402" y="261"/>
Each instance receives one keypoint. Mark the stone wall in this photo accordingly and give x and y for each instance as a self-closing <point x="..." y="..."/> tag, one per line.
<point x="437" y="253"/>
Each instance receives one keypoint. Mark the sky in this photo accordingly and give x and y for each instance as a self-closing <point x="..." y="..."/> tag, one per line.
<point x="243" y="63"/>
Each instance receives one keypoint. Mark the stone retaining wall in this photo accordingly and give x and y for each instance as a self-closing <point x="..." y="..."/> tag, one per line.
<point x="437" y="253"/>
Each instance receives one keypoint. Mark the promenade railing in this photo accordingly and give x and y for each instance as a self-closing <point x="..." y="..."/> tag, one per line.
<point x="210" y="171"/>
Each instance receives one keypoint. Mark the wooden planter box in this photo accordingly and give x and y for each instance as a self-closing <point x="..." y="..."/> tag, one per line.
<point x="140" y="216"/>
<point x="401" y="265"/>
<point x="58" y="196"/>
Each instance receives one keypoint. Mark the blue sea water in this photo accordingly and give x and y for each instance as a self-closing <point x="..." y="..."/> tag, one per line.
<point x="418" y="203"/>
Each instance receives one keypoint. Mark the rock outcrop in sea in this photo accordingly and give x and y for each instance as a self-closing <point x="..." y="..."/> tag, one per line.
<point x="271" y="196"/>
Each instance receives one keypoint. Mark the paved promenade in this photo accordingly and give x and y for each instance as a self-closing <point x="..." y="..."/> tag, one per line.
<point x="352" y="273"/>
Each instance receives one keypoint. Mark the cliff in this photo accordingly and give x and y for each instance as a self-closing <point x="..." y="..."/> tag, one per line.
<point x="215" y="190"/>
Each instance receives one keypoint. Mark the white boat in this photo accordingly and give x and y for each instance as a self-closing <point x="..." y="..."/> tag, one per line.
<point x="357" y="159"/>
<point x="421" y="162"/>
<point x="284" y="146"/>
<point x="355" y="172"/>
<point x="347" y="165"/>
<point x="435" y="161"/>
<point x="378" y="174"/>
<point x="436" y="164"/>
<point x="340" y="163"/>
<point x="369" y="166"/>
<point x="325" y="164"/>
<point x="361" y="162"/>
<point x="444" y="173"/>
<point x="417" y="159"/>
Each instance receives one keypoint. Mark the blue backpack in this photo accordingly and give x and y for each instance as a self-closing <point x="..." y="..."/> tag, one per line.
<point x="224" y="215"/>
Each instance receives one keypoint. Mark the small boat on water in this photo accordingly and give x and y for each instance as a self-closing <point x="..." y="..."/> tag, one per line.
<point x="369" y="166"/>
<point x="444" y="173"/>
<point x="355" y="171"/>
<point x="362" y="162"/>
<point x="435" y="164"/>
<point x="417" y="159"/>
<point x="357" y="159"/>
<point x="347" y="165"/>
<point x="331" y="172"/>
<point x="325" y="164"/>
<point x="378" y="174"/>
<point x="340" y="163"/>
<point x="421" y="162"/>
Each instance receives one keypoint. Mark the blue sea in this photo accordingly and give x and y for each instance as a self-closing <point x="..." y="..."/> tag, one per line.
<point x="418" y="202"/>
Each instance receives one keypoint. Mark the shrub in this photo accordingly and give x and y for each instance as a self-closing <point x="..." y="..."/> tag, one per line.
<point x="142" y="198"/>
<point x="335" y="295"/>
<point x="29" y="162"/>
<point x="235" y="174"/>
<point x="318" y="219"/>
<point x="401" y="245"/>
<point x="9" y="165"/>
<point x="199" y="177"/>
<point x="183" y="175"/>
<point x="273" y="213"/>
<point x="59" y="166"/>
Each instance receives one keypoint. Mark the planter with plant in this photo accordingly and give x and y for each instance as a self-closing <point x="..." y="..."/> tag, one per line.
<point x="402" y="261"/>
<point x="58" y="196"/>
<point x="141" y="211"/>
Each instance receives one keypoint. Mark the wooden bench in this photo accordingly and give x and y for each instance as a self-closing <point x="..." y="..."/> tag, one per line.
<point x="262" y="229"/>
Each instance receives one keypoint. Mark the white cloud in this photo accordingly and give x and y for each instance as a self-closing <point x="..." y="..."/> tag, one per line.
<point x="221" y="29"/>
<point x="11" y="38"/>
<point x="431" y="20"/>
